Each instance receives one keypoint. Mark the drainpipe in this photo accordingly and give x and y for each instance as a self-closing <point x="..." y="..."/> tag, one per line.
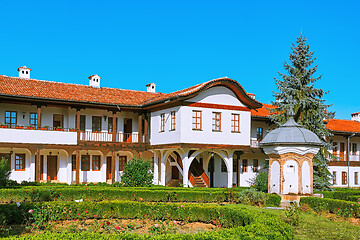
<point x="348" y="158"/>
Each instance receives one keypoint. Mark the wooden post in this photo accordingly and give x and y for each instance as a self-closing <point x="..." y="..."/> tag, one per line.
<point x="114" y="127"/>
<point x="113" y="167"/>
<point x="38" y="122"/>
<point x="77" y="166"/>
<point x="78" y="124"/>
<point x="238" y="171"/>
<point x="146" y="129"/>
<point x="37" y="166"/>
<point x="140" y="129"/>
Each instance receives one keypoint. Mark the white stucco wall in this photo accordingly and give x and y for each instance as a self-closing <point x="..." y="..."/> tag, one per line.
<point x="339" y="170"/>
<point x="275" y="178"/>
<point x="306" y="183"/>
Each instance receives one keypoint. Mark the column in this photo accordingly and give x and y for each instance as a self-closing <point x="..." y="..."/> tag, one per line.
<point x="103" y="169"/>
<point x="230" y="170"/>
<point x="156" y="169"/>
<point x="38" y="117"/>
<point x="146" y="129"/>
<point x="78" y="124"/>
<point x="77" y="167"/>
<point x="113" y="167"/>
<point x="69" y="170"/>
<point x="140" y="140"/>
<point x="281" y="176"/>
<point x="163" y="169"/>
<point x="114" y="130"/>
<point x="37" y="165"/>
<point x="32" y="166"/>
<point x="186" y="166"/>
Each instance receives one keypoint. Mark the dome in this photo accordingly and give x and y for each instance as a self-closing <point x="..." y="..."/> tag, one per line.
<point x="291" y="133"/>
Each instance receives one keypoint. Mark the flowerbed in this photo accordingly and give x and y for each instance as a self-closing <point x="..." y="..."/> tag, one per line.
<point x="241" y="222"/>
<point x="337" y="206"/>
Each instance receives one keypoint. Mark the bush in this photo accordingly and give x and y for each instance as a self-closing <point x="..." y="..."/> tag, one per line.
<point x="252" y="197"/>
<point x="4" y="172"/>
<point x="260" y="182"/>
<point x="340" y="207"/>
<point x="137" y="173"/>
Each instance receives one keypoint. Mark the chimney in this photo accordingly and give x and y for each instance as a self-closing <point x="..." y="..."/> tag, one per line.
<point x="24" y="72"/>
<point x="355" y="116"/>
<point x="94" y="81"/>
<point x="251" y="95"/>
<point x="151" y="87"/>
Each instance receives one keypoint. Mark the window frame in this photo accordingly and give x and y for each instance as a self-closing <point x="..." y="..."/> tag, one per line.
<point x="96" y="162"/>
<point x="96" y="124"/>
<point x="354" y="149"/>
<point x="343" y="179"/>
<point x="334" y="177"/>
<point x="20" y="164"/>
<point x="259" y="134"/>
<point x="198" y="120"/>
<point x="223" y="167"/>
<point x="216" y="121"/>
<point x="122" y="162"/>
<point x="31" y="118"/>
<point x="85" y="163"/>
<point x="356" y="178"/>
<point x="110" y="124"/>
<point x="172" y="120"/>
<point x="244" y="165"/>
<point x="235" y="123"/>
<point x="10" y="118"/>
<point x="162" y="122"/>
<point x="256" y="166"/>
<point x="73" y="162"/>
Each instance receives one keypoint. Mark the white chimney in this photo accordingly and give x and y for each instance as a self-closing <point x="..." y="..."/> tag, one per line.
<point x="94" y="81"/>
<point x="24" y="72"/>
<point x="151" y="87"/>
<point x="355" y="116"/>
<point x="251" y="95"/>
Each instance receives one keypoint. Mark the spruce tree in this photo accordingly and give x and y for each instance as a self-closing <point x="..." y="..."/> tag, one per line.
<point x="297" y="91"/>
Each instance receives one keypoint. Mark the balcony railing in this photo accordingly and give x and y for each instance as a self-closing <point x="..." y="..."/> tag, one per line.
<point x="44" y="128"/>
<point x="342" y="157"/>
<point x="108" y="137"/>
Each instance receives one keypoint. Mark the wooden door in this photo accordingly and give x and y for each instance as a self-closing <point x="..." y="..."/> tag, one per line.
<point x="108" y="167"/>
<point x="174" y="172"/>
<point x="127" y="130"/>
<point x="342" y="150"/>
<point x="51" y="168"/>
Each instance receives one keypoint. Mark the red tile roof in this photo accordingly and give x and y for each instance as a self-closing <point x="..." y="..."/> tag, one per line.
<point x="31" y="88"/>
<point x="339" y="125"/>
<point x="263" y="111"/>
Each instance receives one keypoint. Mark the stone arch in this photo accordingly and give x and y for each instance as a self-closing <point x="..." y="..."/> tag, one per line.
<point x="305" y="178"/>
<point x="274" y="181"/>
<point x="290" y="177"/>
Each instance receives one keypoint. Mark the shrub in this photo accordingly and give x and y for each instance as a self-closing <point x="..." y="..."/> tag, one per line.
<point x="252" y="197"/>
<point x="337" y="206"/>
<point x="260" y="182"/>
<point x="4" y="172"/>
<point x="293" y="214"/>
<point x="137" y="173"/>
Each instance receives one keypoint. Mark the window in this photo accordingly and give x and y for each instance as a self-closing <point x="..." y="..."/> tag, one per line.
<point x="334" y="177"/>
<point x="354" y="149"/>
<point x="335" y="150"/>
<point x="110" y="124"/>
<point x="10" y="118"/>
<point x="196" y="120"/>
<point x="255" y="165"/>
<point x="162" y="122"/>
<point x="122" y="162"/>
<point x="82" y="123"/>
<point x="73" y="162"/>
<point x="172" y="125"/>
<point x="259" y="134"/>
<point x="235" y="122"/>
<point x="7" y="157"/>
<point x="96" y="163"/>
<point x="96" y="124"/>
<point x="85" y="162"/>
<point x="33" y="119"/>
<point x="216" y="124"/>
<point x="356" y="178"/>
<point x="19" y="162"/>
<point x="344" y="178"/>
<point x="223" y="166"/>
<point x="244" y="165"/>
<point x="342" y="151"/>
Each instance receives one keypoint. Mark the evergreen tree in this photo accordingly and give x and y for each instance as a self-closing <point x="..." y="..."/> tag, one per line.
<point x="297" y="91"/>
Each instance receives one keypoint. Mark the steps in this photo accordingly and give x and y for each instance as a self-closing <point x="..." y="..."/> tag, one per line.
<point x="199" y="182"/>
<point x="174" y="183"/>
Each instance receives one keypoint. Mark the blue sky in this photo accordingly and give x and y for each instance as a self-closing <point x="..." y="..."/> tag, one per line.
<point x="177" y="44"/>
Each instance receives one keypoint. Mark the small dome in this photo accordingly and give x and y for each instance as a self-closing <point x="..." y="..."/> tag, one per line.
<point x="291" y="133"/>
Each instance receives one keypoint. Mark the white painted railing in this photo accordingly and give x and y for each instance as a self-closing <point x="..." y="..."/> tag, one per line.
<point x="108" y="137"/>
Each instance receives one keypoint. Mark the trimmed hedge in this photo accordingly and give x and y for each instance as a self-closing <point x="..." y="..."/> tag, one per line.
<point x="355" y="198"/>
<point x="340" y="207"/>
<point x="70" y="193"/>
<point x="243" y="222"/>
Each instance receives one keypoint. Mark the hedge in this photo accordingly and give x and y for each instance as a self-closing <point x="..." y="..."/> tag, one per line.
<point x="243" y="222"/>
<point x="41" y="194"/>
<point x="355" y="198"/>
<point x="340" y="207"/>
